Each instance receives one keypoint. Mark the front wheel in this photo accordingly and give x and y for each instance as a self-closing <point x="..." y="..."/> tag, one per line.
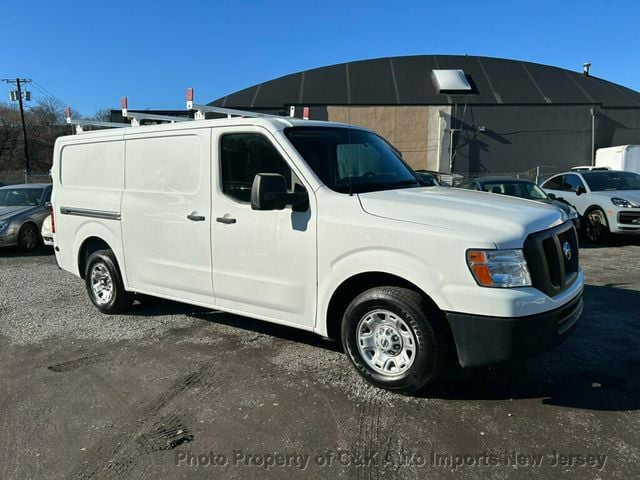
<point x="28" y="238"/>
<point x="104" y="283"/>
<point x="394" y="338"/>
<point x="596" y="226"/>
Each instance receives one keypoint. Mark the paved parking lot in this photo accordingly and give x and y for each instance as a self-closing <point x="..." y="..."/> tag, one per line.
<point x="174" y="391"/>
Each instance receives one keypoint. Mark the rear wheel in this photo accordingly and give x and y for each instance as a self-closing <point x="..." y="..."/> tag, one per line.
<point x="394" y="338"/>
<point x="596" y="226"/>
<point x="28" y="237"/>
<point x="104" y="283"/>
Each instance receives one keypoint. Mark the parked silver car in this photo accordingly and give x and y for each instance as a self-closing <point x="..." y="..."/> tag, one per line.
<point x="23" y="208"/>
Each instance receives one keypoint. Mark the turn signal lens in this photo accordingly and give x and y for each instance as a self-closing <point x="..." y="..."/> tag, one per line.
<point x="499" y="268"/>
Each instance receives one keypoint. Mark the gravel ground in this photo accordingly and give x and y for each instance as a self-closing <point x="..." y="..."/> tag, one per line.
<point x="174" y="391"/>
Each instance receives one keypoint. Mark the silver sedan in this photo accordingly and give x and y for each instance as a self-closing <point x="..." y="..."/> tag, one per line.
<point x="23" y="208"/>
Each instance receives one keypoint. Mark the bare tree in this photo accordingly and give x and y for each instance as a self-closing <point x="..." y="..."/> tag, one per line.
<point x="47" y="111"/>
<point x="104" y="115"/>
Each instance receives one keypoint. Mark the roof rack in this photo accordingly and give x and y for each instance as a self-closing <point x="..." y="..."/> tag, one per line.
<point x="201" y="110"/>
<point x="85" y="122"/>
<point x="137" y="116"/>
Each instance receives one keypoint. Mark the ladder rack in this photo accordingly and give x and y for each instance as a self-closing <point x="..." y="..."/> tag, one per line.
<point x="201" y="110"/>
<point x="96" y="123"/>
<point x="200" y="114"/>
<point x="137" y="116"/>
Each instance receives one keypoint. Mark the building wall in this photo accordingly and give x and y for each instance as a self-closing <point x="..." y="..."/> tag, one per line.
<point x="406" y="127"/>
<point x="617" y="126"/>
<point x="493" y="138"/>
<point x="507" y="138"/>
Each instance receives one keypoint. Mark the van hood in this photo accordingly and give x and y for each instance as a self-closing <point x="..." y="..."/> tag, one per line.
<point x="500" y="219"/>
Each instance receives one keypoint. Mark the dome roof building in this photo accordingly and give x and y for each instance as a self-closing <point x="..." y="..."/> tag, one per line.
<point x="464" y="114"/>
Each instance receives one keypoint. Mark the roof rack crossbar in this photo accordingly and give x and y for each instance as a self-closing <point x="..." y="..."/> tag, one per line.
<point x="78" y="124"/>
<point x="137" y="116"/>
<point x="202" y="109"/>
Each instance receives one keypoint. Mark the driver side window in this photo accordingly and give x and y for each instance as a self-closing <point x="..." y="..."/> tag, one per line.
<point x="554" y="183"/>
<point x="571" y="183"/>
<point x="242" y="156"/>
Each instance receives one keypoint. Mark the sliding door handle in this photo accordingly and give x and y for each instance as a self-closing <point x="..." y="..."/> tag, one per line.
<point x="194" y="217"/>
<point x="227" y="220"/>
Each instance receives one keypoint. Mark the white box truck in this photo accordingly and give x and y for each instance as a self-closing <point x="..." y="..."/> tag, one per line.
<point x="319" y="226"/>
<point x="622" y="157"/>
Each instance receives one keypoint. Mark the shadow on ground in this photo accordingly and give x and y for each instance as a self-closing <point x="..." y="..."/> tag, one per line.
<point x="596" y="368"/>
<point x="613" y="241"/>
<point x="12" y="252"/>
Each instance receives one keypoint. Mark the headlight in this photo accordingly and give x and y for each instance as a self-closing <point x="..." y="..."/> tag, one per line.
<point x="3" y="226"/>
<point x="499" y="268"/>
<point x="621" y="202"/>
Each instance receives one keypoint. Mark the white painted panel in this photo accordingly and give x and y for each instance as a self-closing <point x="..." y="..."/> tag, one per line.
<point x="163" y="164"/>
<point x="93" y="165"/>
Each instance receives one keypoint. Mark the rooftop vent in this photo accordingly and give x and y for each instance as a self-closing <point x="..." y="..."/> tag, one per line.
<point x="451" y="81"/>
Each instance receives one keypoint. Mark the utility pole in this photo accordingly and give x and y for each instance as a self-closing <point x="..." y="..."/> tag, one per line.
<point x="17" y="82"/>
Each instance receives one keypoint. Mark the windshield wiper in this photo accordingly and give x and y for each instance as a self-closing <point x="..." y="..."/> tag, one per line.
<point x="374" y="186"/>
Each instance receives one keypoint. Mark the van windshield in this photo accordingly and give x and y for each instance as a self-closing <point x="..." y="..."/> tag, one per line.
<point x="351" y="160"/>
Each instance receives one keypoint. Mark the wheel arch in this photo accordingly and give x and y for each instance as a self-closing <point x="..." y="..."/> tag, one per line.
<point x="591" y="208"/>
<point x="356" y="284"/>
<point x="31" y="223"/>
<point x="87" y="247"/>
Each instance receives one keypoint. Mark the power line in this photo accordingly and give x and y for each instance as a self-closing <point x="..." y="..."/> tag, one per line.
<point x="47" y="93"/>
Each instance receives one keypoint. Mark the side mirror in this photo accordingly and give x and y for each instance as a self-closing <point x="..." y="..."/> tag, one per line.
<point x="47" y="204"/>
<point x="581" y="190"/>
<point x="269" y="192"/>
<point x="552" y="196"/>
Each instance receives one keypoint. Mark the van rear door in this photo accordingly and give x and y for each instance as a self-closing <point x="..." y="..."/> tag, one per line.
<point x="166" y="214"/>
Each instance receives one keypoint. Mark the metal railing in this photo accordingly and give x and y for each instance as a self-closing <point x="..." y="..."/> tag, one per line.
<point x="537" y="174"/>
<point x="14" y="178"/>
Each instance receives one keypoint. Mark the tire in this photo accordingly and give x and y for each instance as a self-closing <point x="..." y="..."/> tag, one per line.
<point x="104" y="283"/>
<point x="596" y="226"/>
<point x="28" y="237"/>
<point x="395" y="339"/>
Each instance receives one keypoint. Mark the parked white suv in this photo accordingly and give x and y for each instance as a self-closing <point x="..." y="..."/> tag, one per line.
<point x="608" y="200"/>
<point x="319" y="226"/>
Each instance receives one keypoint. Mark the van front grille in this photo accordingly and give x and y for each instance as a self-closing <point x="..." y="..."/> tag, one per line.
<point x="553" y="258"/>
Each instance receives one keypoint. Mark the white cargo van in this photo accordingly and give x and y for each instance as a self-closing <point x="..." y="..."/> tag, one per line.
<point x="622" y="157"/>
<point x="319" y="226"/>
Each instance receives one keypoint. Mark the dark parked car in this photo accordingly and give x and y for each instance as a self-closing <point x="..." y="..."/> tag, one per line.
<point x="517" y="187"/>
<point x="23" y="208"/>
<point x="429" y="179"/>
<point x="442" y="179"/>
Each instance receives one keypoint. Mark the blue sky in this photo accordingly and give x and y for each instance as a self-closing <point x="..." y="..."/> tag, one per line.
<point x="89" y="54"/>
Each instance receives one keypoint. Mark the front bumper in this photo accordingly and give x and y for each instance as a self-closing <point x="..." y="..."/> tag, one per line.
<point x="625" y="221"/>
<point x="8" y="238"/>
<point x="483" y="340"/>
